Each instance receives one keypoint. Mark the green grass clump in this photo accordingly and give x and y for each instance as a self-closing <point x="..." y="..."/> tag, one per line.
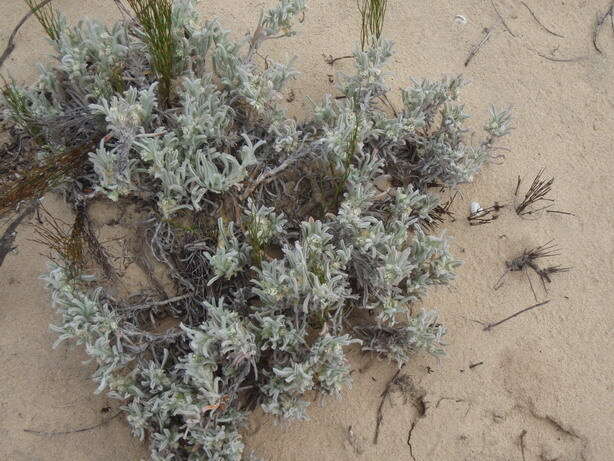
<point x="47" y="17"/>
<point x="372" y="13"/>
<point x="156" y="19"/>
<point x="18" y="105"/>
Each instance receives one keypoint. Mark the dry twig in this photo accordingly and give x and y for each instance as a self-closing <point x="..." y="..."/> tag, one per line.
<point x="552" y="58"/>
<point x="537" y="193"/>
<point x="490" y="326"/>
<point x="560" y="212"/>
<point x="439" y="213"/>
<point x="485" y="215"/>
<point x="65" y="240"/>
<point x="40" y="178"/>
<point x="74" y="431"/>
<point x="330" y="60"/>
<point x="475" y="49"/>
<point x="95" y="248"/>
<point x="544" y="274"/>
<point x="528" y="260"/>
<point x="10" y="45"/>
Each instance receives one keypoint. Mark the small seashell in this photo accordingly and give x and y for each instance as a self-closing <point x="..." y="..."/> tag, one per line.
<point x="474" y="207"/>
<point x="460" y="19"/>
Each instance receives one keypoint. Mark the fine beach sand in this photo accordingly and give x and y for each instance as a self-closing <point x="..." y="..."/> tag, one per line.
<point x="544" y="389"/>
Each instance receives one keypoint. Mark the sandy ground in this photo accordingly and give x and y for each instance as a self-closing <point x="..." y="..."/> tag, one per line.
<point x="544" y="388"/>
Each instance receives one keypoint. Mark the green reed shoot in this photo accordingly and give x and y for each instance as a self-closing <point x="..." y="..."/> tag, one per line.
<point x="373" y="13"/>
<point x="156" y="19"/>
<point x="47" y="17"/>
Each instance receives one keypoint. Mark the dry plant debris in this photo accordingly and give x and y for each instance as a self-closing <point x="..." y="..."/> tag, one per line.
<point x="530" y="47"/>
<point x="490" y="326"/>
<point x="63" y="240"/>
<point x="404" y="385"/>
<point x="475" y="49"/>
<point x="485" y="215"/>
<point x="529" y="259"/>
<point x="537" y="193"/>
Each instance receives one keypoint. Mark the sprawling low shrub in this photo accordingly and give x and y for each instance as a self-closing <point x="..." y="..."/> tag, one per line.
<point x="286" y="241"/>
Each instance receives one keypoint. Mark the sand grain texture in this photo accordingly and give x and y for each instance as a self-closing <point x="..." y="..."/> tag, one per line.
<point x="546" y="374"/>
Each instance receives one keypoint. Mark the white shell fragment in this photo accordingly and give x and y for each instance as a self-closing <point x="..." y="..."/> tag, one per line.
<point x="474" y="207"/>
<point x="460" y="19"/>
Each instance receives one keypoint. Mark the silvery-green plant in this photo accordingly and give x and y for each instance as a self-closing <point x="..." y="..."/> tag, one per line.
<point x="230" y="255"/>
<point x="269" y="290"/>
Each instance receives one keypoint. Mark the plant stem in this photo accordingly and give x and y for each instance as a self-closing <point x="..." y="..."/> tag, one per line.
<point x="490" y="326"/>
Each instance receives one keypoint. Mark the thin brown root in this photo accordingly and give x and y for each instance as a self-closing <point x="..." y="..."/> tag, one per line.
<point x="560" y="212"/>
<point x="490" y="326"/>
<point x="526" y="272"/>
<point x="74" y="431"/>
<point x="331" y="61"/>
<point x="10" y="45"/>
<point x="499" y="283"/>
<point x="539" y="22"/>
<point x="94" y="247"/>
<point x="553" y="59"/>
<point x="63" y="239"/>
<point x="599" y="21"/>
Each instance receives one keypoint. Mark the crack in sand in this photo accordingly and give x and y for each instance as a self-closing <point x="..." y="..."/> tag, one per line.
<point x="424" y="416"/>
<point x="455" y="400"/>
<point x="522" y="435"/>
<point x="563" y="430"/>
<point x="411" y="448"/>
<point x="557" y="425"/>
